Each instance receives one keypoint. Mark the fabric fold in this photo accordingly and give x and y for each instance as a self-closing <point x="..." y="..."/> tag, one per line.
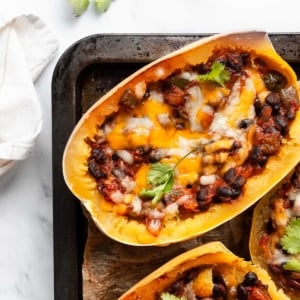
<point x="26" y="48"/>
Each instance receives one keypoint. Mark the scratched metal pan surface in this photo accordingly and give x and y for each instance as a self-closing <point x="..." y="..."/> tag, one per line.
<point x="85" y="71"/>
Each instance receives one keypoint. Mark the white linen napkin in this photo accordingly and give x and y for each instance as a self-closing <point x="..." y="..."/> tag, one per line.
<point x="26" y="47"/>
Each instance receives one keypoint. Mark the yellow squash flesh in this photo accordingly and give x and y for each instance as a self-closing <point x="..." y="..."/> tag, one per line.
<point x="210" y="254"/>
<point x="131" y="232"/>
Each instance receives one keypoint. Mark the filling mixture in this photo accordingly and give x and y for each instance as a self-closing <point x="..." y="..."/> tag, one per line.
<point x="177" y="146"/>
<point x="281" y="241"/>
<point x="209" y="284"/>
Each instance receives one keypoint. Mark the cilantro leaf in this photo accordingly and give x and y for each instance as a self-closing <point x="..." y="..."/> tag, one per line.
<point x="167" y="296"/>
<point x="162" y="177"/>
<point x="159" y="173"/>
<point x="290" y="241"/>
<point x="217" y="74"/>
<point x="292" y="265"/>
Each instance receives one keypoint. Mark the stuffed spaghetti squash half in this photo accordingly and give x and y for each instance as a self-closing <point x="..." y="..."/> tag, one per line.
<point x="209" y="271"/>
<point x="187" y="142"/>
<point x="275" y="234"/>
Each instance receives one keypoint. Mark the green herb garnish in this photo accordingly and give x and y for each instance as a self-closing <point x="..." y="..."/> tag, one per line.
<point x="290" y="242"/>
<point x="167" y="296"/>
<point x="161" y="177"/>
<point x="292" y="265"/>
<point x="217" y="74"/>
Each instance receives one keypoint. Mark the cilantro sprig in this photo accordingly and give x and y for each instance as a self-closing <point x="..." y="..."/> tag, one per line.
<point x="167" y="296"/>
<point x="161" y="178"/>
<point x="290" y="242"/>
<point x="292" y="265"/>
<point x="217" y="74"/>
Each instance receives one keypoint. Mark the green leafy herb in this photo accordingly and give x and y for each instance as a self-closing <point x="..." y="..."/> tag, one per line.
<point x="161" y="177"/>
<point x="217" y="74"/>
<point x="102" y="5"/>
<point x="79" y="6"/>
<point x="292" y="265"/>
<point x="167" y="296"/>
<point x="290" y="242"/>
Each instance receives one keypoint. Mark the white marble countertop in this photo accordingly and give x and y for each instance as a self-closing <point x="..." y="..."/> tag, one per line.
<point x="26" y="234"/>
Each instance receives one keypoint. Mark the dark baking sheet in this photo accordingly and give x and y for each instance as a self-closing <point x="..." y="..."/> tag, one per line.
<point x="85" y="71"/>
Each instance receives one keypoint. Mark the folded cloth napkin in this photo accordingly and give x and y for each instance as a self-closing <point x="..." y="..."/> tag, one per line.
<point x="26" y="47"/>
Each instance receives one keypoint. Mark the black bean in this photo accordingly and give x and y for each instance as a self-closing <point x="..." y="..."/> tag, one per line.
<point x="291" y="113"/>
<point x="242" y="293"/>
<point x="203" y="198"/>
<point x="281" y="124"/>
<point x="245" y="57"/>
<point x="202" y="194"/>
<point x="238" y="182"/>
<point x="236" y="192"/>
<point x="236" y="145"/>
<point x="250" y="279"/>
<point x="155" y="155"/>
<point x="115" y="157"/>
<point x="224" y="192"/>
<point x="257" y="156"/>
<point x="273" y="99"/>
<point x="257" y="106"/>
<point x="95" y="169"/>
<point x="245" y="123"/>
<point x="220" y="290"/>
<point x="270" y="226"/>
<point x="229" y="175"/>
<point x="99" y="155"/>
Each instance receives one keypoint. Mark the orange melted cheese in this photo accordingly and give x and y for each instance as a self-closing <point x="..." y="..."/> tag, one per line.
<point x="146" y="131"/>
<point x="142" y="125"/>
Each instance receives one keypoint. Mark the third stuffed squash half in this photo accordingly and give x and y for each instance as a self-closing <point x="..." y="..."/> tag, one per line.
<point x="275" y="234"/>
<point x="208" y="272"/>
<point x="187" y="142"/>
